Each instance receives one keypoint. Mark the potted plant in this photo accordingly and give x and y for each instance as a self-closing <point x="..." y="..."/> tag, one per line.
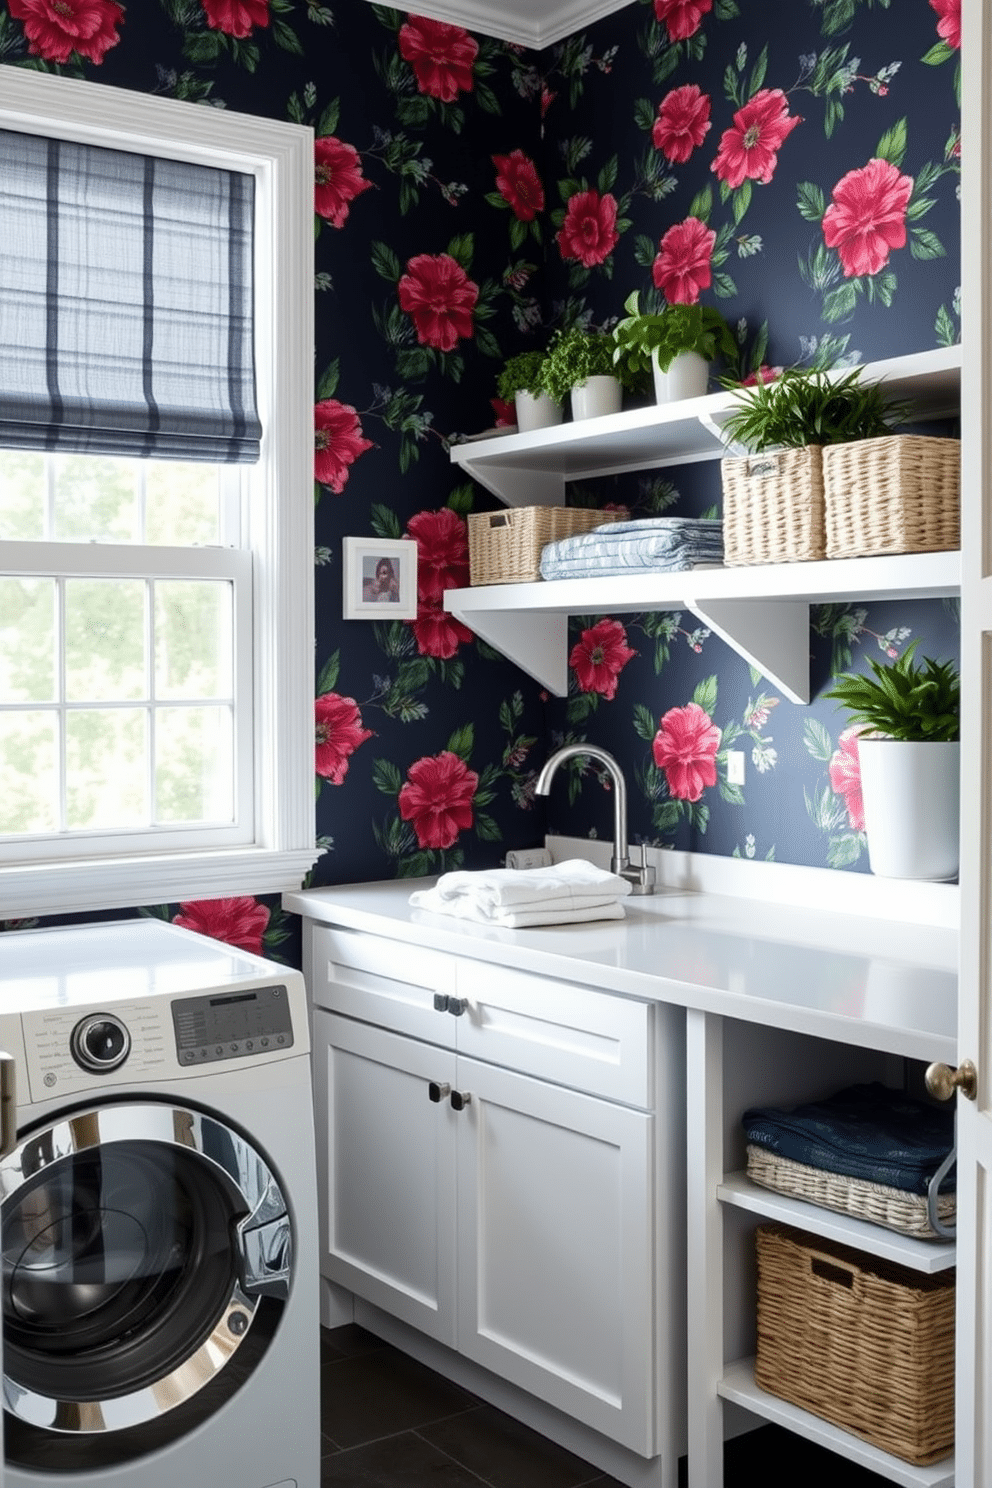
<point x="908" y="751"/>
<point x="520" y="383"/>
<point x="580" y="362"/>
<point x="676" y="344"/>
<point x="774" y="506"/>
<point x="872" y="490"/>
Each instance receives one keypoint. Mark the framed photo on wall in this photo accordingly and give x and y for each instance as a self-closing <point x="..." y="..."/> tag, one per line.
<point x="380" y="578"/>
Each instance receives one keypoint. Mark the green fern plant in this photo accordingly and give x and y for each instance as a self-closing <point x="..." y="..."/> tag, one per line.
<point x="576" y="355"/>
<point x="904" y="701"/>
<point x="522" y="374"/>
<point x="811" y="407"/>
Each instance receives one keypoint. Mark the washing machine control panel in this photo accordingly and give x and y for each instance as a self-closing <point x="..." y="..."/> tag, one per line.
<point x="230" y="1025"/>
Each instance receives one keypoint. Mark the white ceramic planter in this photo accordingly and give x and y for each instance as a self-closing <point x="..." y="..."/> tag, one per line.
<point x="687" y="377"/>
<point x="911" y="801"/>
<point x="596" y="396"/>
<point x="541" y="412"/>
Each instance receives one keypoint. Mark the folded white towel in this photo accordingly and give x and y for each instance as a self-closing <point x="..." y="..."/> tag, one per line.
<point x="560" y="895"/>
<point x="466" y="908"/>
<point x="573" y="882"/>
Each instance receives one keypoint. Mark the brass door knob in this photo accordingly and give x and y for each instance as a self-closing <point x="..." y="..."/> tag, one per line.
<point x="942" y="1081"/>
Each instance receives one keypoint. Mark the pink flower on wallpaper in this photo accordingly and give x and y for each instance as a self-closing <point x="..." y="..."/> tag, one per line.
<point x="845" y="777"/>
<point x="519" y="184"/>
<point x="867" y="217"/>
<point x="338" y="178"/>
<point x="684" y="265"/>
<point x="436" y="632"/>
<point x="599" y="656"/>
<point x="749" y="151"/>
<point x="685" y="747"/>
<point x="437" y="798"/>
<point x="239" y="922"/>
<point x="442" y="551"/>
<point x="56" y="28"/>
<point x="682" y="122"/>
<point x="682" y="18"/>
<point x="764" y="373"/>
<point x="589" y="232"/>
<point x="236" y="17"/>
<point x="339" y="732"/>
<point x="504" y="413"/>
<point x="440" y="298"/>
<point x="949" y="24"/>
<point x="338" y="442"/>
<point x="441" y="56"/>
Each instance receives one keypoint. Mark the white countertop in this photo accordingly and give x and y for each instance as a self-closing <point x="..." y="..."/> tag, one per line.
<point x="876" y="983"/>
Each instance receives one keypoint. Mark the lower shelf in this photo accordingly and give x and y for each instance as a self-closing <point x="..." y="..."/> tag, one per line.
<point x="738" y="1385"/>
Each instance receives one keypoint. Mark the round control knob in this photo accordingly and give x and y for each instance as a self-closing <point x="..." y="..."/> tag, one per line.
<point x="100" y="1043"/>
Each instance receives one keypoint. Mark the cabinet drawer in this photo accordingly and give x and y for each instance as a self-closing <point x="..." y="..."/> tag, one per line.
<point x="382" y="981"/>
<point x="570" y="1035"/>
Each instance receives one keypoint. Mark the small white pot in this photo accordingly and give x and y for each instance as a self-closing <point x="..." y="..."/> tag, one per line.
<point x="911" y="795"/>
<point x="687" y="377"/>
<point x="540" y="412"/>
<point x="596" y="396"/>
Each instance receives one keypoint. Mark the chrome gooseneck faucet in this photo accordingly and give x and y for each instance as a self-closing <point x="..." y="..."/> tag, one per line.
<point x="643" y="877"/>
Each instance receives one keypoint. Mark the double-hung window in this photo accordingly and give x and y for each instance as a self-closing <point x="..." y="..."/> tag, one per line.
<point x="156" y="629"/>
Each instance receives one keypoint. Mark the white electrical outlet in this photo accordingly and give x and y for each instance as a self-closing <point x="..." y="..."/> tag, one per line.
<point x="528" y="857"/>
<point x="735" y="767"/>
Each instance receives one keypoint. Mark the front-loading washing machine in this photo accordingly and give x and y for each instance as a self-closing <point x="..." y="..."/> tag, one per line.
<point x="159" y="1217"/>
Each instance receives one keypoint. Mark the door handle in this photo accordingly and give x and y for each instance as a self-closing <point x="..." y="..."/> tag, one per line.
<point x="942" y="1081"/>
<point x="436" y="1091"/>
<point x="460" y="1099"/>
<point x="8" y="1104"/>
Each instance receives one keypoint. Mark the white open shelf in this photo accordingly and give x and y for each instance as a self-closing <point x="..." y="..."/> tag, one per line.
<point x="921" y="1255"/>
<point x="738" y="1385"/>
<point x="534" y="469"/>
<point x="762" y="612"/>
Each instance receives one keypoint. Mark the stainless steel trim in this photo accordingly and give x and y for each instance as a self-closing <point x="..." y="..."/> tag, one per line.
<point x="263" y="1261"/>
<point x="8" y="1104"/>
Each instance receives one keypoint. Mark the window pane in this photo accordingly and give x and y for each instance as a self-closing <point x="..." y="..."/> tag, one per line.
<point x="105" y="639"/>
<point x="27" y="641"/>
<point x="193" y="776"/>
<point x="106" y="768"/>
<point x="22" y="496"/>
<point x="96" y="499"/>
<point x="28" y="772"/>
<point x="193" y="638"/>
<point x="181" y="503"/>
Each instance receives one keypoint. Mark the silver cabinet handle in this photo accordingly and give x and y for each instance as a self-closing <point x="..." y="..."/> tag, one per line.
<point x="457" y="1005"/>
<point x="436" y="1092"/>
<point x="8" y="1104"/>
<point x="460" y="1099"/>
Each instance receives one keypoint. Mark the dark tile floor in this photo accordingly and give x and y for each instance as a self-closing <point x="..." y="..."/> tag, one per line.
<point x="390" y="1422"/>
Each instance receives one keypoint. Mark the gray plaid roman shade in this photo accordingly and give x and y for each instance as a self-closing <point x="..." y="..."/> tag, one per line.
<point x="126" y="304"/>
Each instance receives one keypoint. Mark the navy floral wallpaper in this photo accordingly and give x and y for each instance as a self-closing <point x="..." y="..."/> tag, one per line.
<point x="794" y="165"/>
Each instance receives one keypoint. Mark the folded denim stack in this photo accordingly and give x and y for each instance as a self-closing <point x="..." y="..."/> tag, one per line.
<point x="868" y="1151"/>
<point x="516" y="898"/>
<point x="650" y="545"/>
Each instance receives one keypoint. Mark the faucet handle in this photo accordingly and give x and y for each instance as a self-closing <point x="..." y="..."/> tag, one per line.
<point x="642" y="878"/>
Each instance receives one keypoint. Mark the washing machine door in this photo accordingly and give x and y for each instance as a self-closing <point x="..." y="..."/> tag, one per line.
<point x="139" y="1244"/>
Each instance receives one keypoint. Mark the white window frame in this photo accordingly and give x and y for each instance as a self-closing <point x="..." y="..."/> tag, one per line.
<point x="279" y="498"/>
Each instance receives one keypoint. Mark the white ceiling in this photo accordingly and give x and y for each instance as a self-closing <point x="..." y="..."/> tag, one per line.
<point x="532" y="23"/>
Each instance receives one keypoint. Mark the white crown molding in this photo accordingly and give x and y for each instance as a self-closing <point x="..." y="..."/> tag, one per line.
<point x="529" y="23"/>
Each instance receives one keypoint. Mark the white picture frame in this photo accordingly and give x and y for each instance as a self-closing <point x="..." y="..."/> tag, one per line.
<point x="380" y="578"/>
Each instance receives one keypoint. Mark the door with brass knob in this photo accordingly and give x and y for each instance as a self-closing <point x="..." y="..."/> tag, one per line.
<point x="973" y="1383"/>
<point x="943" y="1082"/>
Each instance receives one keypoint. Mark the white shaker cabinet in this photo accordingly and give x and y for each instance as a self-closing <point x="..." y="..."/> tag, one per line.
<point x="493" y="1170"/>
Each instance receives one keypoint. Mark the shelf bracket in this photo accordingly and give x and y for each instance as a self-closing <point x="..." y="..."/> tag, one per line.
<point x="512" y="484"/>
<point x="771" y="635"/>
<point x="536" y="643"/>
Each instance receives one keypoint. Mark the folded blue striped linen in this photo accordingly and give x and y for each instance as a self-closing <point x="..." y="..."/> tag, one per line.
<point x="652" y="544"/>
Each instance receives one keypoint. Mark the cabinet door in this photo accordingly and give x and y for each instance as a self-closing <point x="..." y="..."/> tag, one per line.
<point x="387" y="1184"/>
<point x="556" y="1285"/>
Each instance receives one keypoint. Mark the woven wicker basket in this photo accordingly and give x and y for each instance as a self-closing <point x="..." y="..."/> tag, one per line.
<point x="504" y="547"/>
<point x="773" y="507"/>
<point x="876" y="1202"/>
<point x="900" y="494"/>
<point x="857" y="1341"/>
